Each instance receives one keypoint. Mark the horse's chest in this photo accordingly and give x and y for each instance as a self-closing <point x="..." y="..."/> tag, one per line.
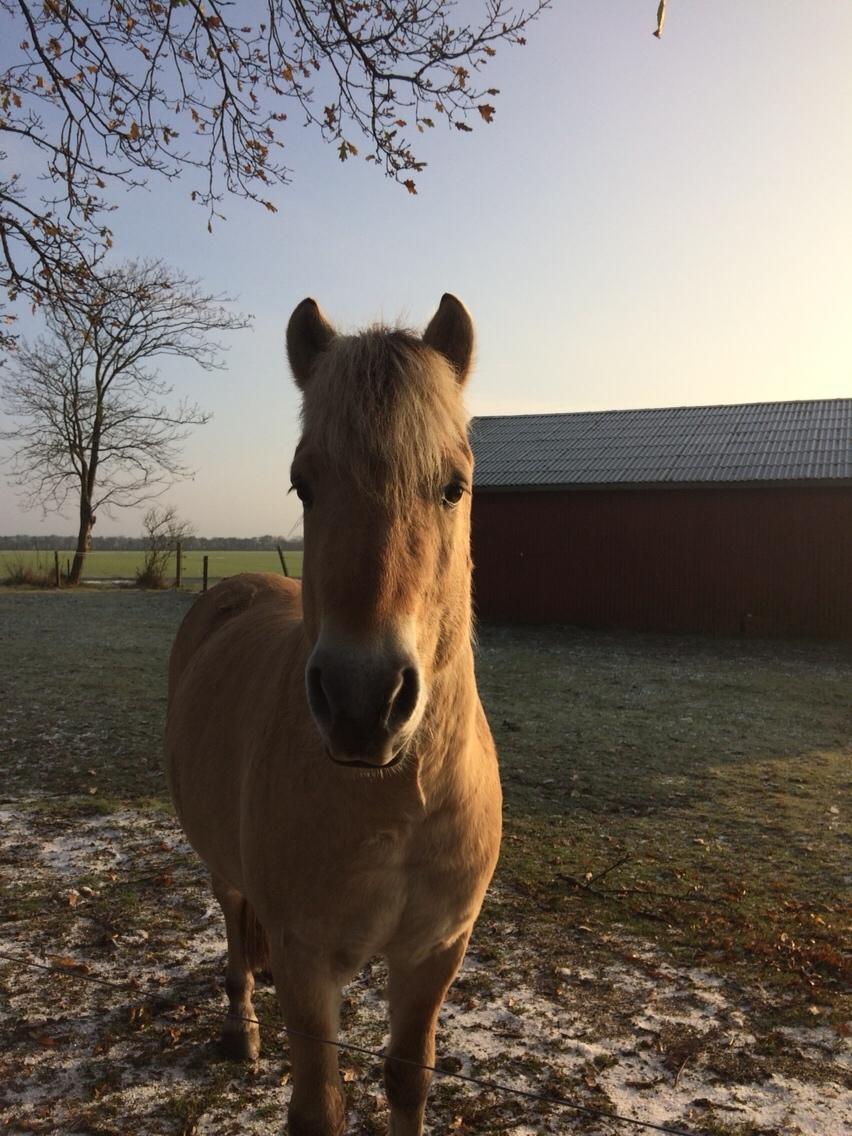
<point x="361" y="880"/>
<point x="402" y="894"/>
<point x="380" y="887"/>
<point x="348" y="901"/>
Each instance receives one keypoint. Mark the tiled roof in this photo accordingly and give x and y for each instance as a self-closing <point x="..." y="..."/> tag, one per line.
<point x="755" y="442"/>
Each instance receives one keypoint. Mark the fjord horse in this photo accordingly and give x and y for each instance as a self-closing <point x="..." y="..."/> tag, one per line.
<point x="327" y="751"/>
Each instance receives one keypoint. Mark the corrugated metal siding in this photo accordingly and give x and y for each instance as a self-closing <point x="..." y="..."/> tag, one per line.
<point x="767" y="561"/>
<point x="771" y="441"/>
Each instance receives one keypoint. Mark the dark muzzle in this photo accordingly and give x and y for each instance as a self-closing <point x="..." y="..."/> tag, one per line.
<point x="362" y="703"/>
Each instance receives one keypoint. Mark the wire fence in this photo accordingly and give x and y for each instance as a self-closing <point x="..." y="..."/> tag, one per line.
<point x="191" y="568"/>
<point x="378" y="1055"/>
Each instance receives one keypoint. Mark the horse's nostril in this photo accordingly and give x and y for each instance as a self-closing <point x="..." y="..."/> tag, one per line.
<point x="404" y="699"/>
<point x="317" y="696"/>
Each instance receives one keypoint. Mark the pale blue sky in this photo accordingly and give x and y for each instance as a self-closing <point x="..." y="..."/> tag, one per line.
<point x="646" y="223"/>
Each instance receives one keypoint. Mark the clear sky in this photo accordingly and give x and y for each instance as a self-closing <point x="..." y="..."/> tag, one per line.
<point x="646" y="223"/>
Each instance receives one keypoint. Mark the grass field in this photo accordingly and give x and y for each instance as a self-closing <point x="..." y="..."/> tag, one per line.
<point x="124" y="565"/>
<point x="666" y="937"/>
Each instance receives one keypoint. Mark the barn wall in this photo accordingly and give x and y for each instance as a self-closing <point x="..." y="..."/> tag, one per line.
<point x="772" y="561"/>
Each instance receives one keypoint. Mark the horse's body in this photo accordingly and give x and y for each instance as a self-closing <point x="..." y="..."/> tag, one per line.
<point x="336" y="773"/>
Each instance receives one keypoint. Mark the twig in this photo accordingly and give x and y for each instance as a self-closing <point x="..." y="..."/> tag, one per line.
<point x="586" y="884"/>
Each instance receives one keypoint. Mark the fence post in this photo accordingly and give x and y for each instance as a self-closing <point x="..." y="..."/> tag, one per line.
<point x="56" y="567"/>
<point x="283" y="561"/>
<point x="204" y="581"/>
<point x="177" y="566"/>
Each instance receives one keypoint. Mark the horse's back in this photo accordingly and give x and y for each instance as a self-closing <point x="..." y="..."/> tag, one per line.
<point x="224" y="602"/>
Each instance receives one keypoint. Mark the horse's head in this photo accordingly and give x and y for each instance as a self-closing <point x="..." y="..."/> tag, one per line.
<point x="384" y="472"/>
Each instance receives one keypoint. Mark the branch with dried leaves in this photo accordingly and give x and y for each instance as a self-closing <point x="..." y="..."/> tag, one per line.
<point x="96" y="98"/>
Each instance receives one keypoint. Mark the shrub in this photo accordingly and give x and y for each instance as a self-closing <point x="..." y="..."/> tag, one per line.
<point x="152" y="574"/>
<point x="25" y="572"/>
<point x="163" y="531"/>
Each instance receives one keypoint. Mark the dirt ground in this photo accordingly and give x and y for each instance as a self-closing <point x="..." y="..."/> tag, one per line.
<point x="664" y="940"/>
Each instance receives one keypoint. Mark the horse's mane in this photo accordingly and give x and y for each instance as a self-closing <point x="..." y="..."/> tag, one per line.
<point x="386" y="411"/>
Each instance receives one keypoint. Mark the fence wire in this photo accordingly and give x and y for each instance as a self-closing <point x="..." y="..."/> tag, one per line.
<point x="490" y="1086"/>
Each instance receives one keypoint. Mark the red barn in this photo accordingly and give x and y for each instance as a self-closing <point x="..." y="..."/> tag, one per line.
<point x="722" y="519"/>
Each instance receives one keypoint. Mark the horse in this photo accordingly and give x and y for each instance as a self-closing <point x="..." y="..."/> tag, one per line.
<point x="327" y="751"/>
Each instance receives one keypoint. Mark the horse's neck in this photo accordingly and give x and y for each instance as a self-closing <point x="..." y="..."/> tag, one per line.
<point x="446" y="740"/>
<point x="455" y="685"/>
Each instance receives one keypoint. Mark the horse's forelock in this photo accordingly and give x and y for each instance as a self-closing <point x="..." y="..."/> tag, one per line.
<point x="382" y="403"/>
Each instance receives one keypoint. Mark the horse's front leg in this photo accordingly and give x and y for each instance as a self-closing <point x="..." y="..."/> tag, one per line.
<point x="309" y="993"/>
<point x="416" y="993"/>
<point x="240" y="1033"/>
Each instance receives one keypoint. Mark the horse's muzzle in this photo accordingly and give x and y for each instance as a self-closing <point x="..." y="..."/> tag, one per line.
<point x="357" y="763"/>
<point x="363" y="703"/>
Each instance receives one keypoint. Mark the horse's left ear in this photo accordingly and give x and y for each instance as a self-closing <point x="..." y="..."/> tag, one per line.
<point x="308" y="334"/>
<point x="450" y="331"/>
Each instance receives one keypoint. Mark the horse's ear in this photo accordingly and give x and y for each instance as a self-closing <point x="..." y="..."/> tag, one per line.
<point x="450" y="331"/>
<point x="308" y="334"/>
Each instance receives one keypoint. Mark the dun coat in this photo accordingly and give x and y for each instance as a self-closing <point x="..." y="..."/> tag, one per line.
<point x="327" y="751"/>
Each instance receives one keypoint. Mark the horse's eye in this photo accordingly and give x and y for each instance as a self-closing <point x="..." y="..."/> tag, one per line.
<point x="453" y="492"/>
<point x="303" y="492"/>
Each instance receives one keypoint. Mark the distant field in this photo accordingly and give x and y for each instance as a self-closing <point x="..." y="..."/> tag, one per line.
<point x="123" y="565"/>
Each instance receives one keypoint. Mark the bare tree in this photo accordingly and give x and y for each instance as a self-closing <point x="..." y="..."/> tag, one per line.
<point x="95" y="424"/>
<point x="98" y="96"/>
<point x="163" y="531"/>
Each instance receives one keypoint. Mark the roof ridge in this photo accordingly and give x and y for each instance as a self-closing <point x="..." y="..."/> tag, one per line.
<point x="661" y="409"/>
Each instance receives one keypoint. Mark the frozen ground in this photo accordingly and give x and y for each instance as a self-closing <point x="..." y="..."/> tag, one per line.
<point x="119" y="898"/>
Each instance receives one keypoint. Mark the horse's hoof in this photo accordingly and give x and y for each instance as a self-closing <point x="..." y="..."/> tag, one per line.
<point x="240" y="1043"/>
<point x="296" y="1126"/>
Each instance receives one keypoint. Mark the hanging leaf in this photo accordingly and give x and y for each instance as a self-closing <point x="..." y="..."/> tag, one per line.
<point x="661" y="19"/>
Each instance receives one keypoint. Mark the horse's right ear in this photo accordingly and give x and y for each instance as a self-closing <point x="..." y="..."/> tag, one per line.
<point x="308" y="334"/>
